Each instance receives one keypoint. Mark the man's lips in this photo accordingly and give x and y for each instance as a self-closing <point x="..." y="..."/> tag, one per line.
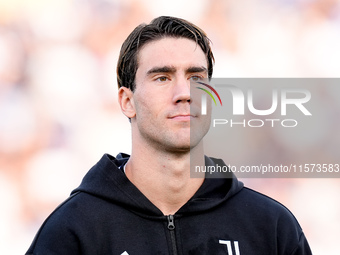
<point x="183" y="117"/>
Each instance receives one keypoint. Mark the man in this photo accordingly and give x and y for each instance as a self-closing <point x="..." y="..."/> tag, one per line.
<point x="147" y="203"/>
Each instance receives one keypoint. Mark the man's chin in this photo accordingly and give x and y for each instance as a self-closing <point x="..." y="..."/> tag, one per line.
<point x="179" y="147"/>
<point x="184" y="147"/>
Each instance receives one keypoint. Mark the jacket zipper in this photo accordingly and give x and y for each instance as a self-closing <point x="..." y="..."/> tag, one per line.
<point x="171" y="227"/>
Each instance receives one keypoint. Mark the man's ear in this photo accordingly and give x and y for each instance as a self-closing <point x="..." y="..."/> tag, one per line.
<point x="125" y="100"/>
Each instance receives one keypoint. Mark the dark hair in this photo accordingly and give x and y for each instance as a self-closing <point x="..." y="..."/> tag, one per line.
<point x="160" y="27"/>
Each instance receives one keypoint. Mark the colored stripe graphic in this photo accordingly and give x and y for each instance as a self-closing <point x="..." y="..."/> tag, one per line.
<point x="208" y="93"/>
<point x="212" y="89"/>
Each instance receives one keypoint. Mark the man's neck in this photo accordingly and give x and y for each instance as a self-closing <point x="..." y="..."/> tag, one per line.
<point x="163" y="177"/>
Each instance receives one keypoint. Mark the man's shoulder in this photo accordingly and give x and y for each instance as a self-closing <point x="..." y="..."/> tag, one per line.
<point x="80" y="203"/>
<point x="68" y="211"/>
<point x="265" y="207"/>
<point x="72" y="220"/>
<point x="258" y="199"/>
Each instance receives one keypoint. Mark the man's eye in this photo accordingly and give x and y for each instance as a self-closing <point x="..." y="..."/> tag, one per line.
<point x="195" y="78"/>
<point x="163" y="78"/>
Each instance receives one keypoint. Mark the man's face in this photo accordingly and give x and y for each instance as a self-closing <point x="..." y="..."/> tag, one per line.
<point x="164" y="108"/>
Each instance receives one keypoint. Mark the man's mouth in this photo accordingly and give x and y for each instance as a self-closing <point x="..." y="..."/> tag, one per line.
<point x="182" y="117"/>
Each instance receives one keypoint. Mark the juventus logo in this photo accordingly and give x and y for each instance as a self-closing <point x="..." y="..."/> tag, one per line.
<point x="230" y="248"/>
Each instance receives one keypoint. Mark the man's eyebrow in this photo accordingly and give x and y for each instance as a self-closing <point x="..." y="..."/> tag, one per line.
<point x="162" y="69"/>
<point x="171" y="69"/>
<point x="197" y="69"/>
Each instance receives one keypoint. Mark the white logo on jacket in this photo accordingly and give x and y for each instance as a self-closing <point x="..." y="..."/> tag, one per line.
<point x="230" y="248"/>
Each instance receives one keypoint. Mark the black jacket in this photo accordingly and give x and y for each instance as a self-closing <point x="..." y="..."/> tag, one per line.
<point x="107" y="214"/>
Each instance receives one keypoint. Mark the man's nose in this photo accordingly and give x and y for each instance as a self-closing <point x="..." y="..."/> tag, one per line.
<point x="182" y="91"/>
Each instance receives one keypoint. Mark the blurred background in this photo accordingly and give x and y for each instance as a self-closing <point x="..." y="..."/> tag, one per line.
<point x="58" y="103"/>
